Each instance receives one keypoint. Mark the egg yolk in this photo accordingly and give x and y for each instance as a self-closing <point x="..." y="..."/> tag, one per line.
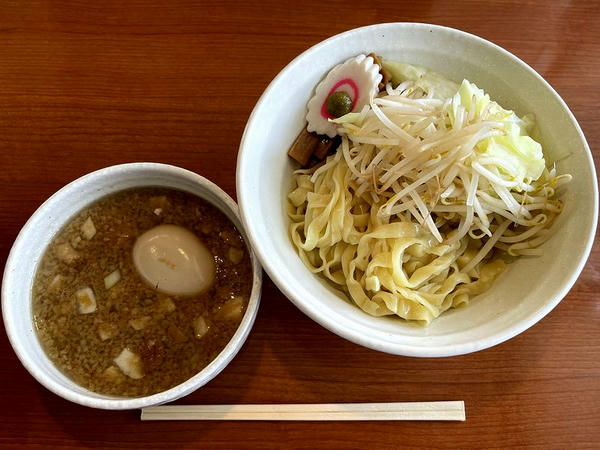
<point x="174" y="261"/>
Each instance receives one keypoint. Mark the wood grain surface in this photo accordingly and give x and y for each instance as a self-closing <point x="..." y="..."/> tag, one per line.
<point x="87" y="84"/>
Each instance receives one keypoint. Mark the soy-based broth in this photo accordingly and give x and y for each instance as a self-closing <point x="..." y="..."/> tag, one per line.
<point x="105" y="326"/>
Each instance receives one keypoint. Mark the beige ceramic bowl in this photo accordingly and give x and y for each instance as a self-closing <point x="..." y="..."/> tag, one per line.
<point x="522" y="295"/>
<point x="48" y="220"/>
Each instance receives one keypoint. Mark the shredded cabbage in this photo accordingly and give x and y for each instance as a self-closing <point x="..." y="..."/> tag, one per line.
<point x="427" y="80"/>
<point x="517" y="155"/>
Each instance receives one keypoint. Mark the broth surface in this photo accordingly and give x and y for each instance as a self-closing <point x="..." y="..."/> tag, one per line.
<point x="170" y="337"/>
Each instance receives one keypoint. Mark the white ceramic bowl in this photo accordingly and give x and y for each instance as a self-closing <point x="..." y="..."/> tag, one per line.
<point x="521" y="296"/>
<point x="31" y="243"/>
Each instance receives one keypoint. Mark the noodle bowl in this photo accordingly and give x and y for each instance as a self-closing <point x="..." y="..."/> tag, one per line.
<point x="526" y="291"/>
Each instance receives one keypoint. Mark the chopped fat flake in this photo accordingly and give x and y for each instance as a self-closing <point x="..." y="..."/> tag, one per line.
<point x="130" y="364"/>
<point x="88" y="229"/>
<point x="113" y="374"/>
<point x="112" y="278"/>
<point x="56" y="283"/>
<point x="232" y="309"/>
<point x="166" y="305"/>
<point x="106" y="331"/>
<point x="235" y="255"/>
<point x="200" y="327"/>
<point x="66" y="253"/>
<point x="86" y="301"/>
<point x="140" y="323"/>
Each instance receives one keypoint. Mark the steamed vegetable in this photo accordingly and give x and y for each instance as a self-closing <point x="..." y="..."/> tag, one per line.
<point x="432" y="182"/>
<point x="427" y="80"/>
<point x="433" y="149"/>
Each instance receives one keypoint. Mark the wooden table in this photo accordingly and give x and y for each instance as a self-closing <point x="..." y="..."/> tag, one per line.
<point x="85" y="85"/>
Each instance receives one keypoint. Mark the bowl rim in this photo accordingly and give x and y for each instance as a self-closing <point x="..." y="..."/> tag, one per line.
<point x="346" y="332"/>
<point x="199" y="379"/>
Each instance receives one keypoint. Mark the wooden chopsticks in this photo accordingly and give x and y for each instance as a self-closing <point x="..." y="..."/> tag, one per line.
<point x="447" y="411"/>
